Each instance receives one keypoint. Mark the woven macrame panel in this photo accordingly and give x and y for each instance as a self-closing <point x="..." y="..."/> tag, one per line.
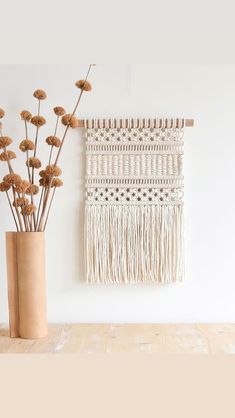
<point x="134" y="202"/>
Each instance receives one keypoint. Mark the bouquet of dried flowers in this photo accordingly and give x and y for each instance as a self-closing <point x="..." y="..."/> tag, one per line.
<point x="29" y="213"/>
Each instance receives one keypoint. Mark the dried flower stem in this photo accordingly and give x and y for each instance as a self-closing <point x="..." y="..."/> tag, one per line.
<point x="26" y="129"/>
<point x="27" y="151"/>
<point x="27" y="158"/>
<point x="36" y="141"/>
<point x="72" y="114"/>
<point x="34" y="154"/>
<point x="9" y="201"/>
<point x="17" y="210"/>
<point x="56" y="126"/>
<point x="14" y="197"/>
<point x="25" y="217"/>
<point x="39" y="206"/>
<point x="52" y="197"/>
<point x="30" y="222"/>
<point x="59" y="152"/>
<point x="8" y="198"/>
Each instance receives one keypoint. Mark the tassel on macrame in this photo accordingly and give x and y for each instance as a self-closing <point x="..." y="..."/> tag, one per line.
<point x="134" y="244"/>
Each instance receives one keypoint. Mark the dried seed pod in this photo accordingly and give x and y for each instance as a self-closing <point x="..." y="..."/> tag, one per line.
<point x="59" y="111"/>
<point x="32" y="189"/>
<point x="4" y="187"/>
<point x="38" y="121"/>
<point x="12" y="178"/>
<point x="44" y="181"/>
<point x="20" y="201"/>
<point x="28" y="209"/>
<point x="26" y="145"/>
<point x="5" y="141"/>
<point x="53" y="170"/>
<point x="83" y="85"/>
<point x="26" y="115"/>
<point x="2" y="113"/>
<point x="33" y="162"/>
<point x="40" y="94"/>
<point x="53" y="141"/>
<point x="42" y="173"/>
<point x="7" y="156"/>
<point x="70" y="120"/>
<point x="57" y="182"/>
<point x="22" y="186"/>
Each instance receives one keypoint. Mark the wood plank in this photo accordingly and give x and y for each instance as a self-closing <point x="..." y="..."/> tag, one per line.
<point x="127" y="338"/>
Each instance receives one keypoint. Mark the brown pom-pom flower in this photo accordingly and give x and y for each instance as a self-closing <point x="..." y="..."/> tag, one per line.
<point x="53" y="170"/>
<point x="12" y="178"/>
<point x="20" y="201"/>
<point x="5" y="141"/>
<point x="26" y="115"/>
<point x="33" y="162"/>
<point x="2" y="113"/>
<point x="22" y="186"/>
<point x="56" y="183"/>
<point x="44" y="181"/>
<point x="42" y="173"/>
<point x="40" y="94"/>
<point x="59" y="111"/>
<point x="4" y="186"/>
<point x="54" y="141"/>
<point x="28" y="209"/>
<point x="26" y="145"/>
<point x="7" y="156"/>
<point x="83" y="85"/>
<point x="38" y="121"/>
<point x="70" y="120"/>
<point x="32" y="189"/>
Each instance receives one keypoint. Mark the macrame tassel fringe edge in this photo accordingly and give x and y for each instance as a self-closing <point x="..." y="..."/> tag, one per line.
<point x="134" y="243"/>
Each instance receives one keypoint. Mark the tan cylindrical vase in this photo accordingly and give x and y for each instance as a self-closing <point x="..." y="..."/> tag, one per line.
<point x="26" y="284"/>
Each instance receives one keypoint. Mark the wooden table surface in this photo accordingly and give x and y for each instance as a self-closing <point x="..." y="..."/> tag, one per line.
<point x="127" y="338"/>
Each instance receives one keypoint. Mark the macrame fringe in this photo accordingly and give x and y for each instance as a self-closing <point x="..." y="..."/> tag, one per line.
<point x="134" y="243"/>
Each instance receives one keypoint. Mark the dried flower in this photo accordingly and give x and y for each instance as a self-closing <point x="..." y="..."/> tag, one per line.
<point x="83" y="85"/>
<point x="2" y="113"/>
<point x="42" y="173"/>
<point x="54" y="141"/>
<point x="38" y="121"/>
<point x="12" y="178"/>
<point x="40" y="94"/>
<point x="33" y="162"/>
<point x="20" y="201"/>
<point x="5" y="141"/>
<point x="28" y="209"/>
<point x="59" y="111"/>
<point x="26" y="145"/>
<point x="70" y="120"/>
<point x="4" y="186"/>
<point x="53" y="170"/>
<point x="26" y="115"/>
<point x="44" y="181"/>
<point x="22" y="186"/>
<point x="7" y="156"/>
<point x="56" y="183"/>
<point x="32" y="189"/>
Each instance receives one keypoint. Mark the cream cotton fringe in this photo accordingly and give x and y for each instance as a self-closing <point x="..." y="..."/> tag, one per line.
<point x="134" y="208"/>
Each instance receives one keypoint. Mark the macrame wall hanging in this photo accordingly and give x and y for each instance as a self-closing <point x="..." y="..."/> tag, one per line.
<point x="134" y="200"/>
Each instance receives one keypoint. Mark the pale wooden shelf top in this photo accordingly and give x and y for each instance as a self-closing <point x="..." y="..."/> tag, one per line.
<point x="127" y="338"/>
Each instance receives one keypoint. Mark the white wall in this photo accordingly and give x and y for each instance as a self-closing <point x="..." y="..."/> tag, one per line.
<point x="204" y="92"/>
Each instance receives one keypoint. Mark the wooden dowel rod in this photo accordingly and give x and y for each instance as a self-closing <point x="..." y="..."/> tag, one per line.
<point x="167" y="123"/>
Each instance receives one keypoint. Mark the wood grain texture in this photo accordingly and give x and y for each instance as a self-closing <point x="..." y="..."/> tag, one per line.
<point x="127" y="338"/>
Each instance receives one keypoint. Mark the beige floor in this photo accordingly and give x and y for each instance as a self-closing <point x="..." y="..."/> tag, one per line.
<point x="127" y="338"/>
